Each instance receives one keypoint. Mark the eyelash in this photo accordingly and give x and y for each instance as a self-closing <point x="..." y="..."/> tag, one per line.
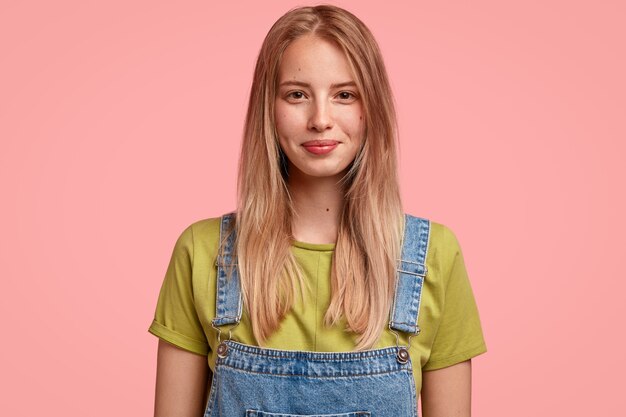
<point x="352" y="95"/>
<point x="290" y="95"/>
<point x="348" y="92"/>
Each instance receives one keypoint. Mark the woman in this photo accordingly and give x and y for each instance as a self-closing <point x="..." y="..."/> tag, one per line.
<point x="318" y="296"/>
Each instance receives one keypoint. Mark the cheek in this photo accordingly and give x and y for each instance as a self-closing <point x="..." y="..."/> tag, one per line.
<point x="277" y="115"/>
<point x="280" y="113"/>
<point x="282" y="123"/>
<point x="281" y="116"/>
<point x="288" y="124"/>
<point x="353" y="121"/>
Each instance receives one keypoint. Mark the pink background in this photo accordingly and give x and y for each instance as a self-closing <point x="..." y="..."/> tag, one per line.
<point x="120" y="124"/>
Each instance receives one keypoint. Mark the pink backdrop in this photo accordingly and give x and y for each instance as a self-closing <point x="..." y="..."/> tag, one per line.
<point x="120" y="125"/>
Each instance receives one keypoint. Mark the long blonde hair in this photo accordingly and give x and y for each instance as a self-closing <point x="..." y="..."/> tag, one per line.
<point x="363" y="274"/>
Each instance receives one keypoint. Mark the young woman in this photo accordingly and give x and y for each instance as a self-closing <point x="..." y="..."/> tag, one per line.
<point x="318" y="295"/>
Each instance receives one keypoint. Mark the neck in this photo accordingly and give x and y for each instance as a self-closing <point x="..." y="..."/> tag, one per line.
<point x="317" y="204"/>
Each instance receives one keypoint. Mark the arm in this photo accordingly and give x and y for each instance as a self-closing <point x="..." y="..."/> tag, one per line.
<point x="446" y="392"/>
<point x="182" y="382"/>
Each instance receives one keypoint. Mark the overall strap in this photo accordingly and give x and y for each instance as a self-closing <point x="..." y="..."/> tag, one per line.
<point x="228" y="300"/>
<point x="411" y="274"/>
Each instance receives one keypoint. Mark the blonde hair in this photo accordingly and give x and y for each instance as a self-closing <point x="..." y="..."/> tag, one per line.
<point x="363" y="275"/>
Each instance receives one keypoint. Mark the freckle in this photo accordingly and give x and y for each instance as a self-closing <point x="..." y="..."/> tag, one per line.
<point x="360" y="117"/>
<point x="299" y="69"/>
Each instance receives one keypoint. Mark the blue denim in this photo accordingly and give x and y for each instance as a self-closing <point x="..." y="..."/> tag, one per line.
<point x="253" y="381"/>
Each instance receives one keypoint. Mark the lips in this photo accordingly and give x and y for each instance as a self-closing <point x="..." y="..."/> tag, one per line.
<point x="323" y="142"/>
<point x="320" y="147"/>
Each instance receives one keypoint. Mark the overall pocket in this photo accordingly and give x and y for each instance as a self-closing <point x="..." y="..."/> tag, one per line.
<point x="258" y="413"/>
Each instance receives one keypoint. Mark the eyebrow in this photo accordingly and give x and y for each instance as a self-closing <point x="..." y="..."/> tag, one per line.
<point x="302" y="84"/>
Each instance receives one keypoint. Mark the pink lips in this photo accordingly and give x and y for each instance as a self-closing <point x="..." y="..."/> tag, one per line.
<point x="320" y="147"/>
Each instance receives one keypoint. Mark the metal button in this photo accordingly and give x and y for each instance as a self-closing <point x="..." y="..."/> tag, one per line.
<point x="222" y="350"/>
<point x="403" y="355"/>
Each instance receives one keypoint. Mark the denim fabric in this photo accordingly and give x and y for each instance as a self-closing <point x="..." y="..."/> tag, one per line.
<point x="411" y="273"/>
<point x="254" y="381"/>
<point x="228" y="302"/>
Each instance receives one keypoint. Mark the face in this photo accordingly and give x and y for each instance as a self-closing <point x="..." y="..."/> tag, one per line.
<point x="318" y="110"/>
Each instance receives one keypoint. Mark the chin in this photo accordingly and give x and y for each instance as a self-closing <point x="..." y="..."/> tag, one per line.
<point x="326" y="174"/>
<point x="313" y="172"/>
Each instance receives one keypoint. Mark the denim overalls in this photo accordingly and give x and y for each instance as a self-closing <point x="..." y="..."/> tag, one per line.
<point x="253" y="381"/>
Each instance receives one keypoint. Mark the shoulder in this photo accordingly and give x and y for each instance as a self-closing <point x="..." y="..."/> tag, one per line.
<point x="444" y="240"/>
<point x="443" y="245"/>
<point x="441" y="237"/>
<point x="201" y="237"/>
<point x="203" y="229"/>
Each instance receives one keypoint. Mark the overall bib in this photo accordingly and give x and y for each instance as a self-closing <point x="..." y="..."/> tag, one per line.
<point x="253" y="381"/>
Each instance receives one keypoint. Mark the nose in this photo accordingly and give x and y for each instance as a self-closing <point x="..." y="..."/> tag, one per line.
<point x="320" y="118"/>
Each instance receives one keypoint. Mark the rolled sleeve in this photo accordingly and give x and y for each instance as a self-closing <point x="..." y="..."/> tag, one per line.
<point x="459" y="336"/>
<point x="175" y="319"/>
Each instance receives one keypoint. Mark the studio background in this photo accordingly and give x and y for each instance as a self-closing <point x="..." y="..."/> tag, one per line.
<point x="121" y="121"/>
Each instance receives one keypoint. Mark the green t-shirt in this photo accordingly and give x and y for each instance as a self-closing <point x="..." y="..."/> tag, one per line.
<point x="449" y="320"/>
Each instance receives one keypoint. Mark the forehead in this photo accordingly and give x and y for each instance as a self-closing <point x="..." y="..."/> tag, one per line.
<point x="313" y="59"/>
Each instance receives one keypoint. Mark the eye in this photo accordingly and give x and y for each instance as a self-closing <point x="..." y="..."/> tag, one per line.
<point x="297" y="95"/>
<point x="346" y="96"/>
